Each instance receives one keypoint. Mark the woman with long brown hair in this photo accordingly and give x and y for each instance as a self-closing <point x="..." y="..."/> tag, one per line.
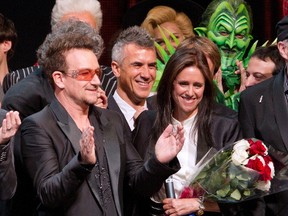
<point x="185" y="96"/>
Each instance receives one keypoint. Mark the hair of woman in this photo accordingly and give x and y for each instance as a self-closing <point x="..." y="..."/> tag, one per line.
<point x="161" y="14"/>
<point x="207" y="47"/>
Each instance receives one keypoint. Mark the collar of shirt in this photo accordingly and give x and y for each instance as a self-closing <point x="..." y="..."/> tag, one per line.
<point x="127" y="110"/>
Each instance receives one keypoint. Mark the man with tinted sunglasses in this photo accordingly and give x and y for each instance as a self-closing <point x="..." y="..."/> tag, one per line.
<point x="34" y="92"/>
<point x="77" y="154"/>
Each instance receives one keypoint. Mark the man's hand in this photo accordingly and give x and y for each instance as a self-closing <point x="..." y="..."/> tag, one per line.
<point x="218" y="78"/>
<point x="102" y="100"/>
<point x="10" y="126"/>
<point x="241" y="70"/>
<point x="87" y="146"/>
<point x="169" y="143"/>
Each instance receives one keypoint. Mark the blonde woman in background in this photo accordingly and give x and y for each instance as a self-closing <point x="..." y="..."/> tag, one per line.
<point x="170" y="21"/>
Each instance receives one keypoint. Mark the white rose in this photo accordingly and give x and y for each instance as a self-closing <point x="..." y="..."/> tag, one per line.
<point x="262" y="185"/>
<point x="241" y="145"/>
<point x="271" y="165"/>
<point x="240" y="153"/>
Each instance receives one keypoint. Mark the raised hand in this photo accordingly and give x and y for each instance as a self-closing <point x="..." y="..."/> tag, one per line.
<point x="102" y="100"/>
<point x="10" y="126"/>
<point x="241" y="70"/>
<point x="169" y="143"/>
<point x="87" y="146"/>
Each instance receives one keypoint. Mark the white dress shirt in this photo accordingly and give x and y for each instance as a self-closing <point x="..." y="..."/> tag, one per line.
<point x="127" y="110"/>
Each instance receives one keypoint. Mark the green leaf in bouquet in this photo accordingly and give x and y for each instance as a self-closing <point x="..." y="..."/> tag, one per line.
<point x="222" y="161"/>
<point x="224" y="175"/>
<point x="236" y="194"/>
<point x="243" y="184"/>
<point x="223" y="191"/>
<point x="243" y="177"/>
<point x="233" y="171"/>
<point x="247" y="192"/>
<point x="234" y="182"/>
<point x="201" y="175"/>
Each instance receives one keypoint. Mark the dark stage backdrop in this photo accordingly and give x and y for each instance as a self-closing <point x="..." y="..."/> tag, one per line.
<point x="32" y="20"/>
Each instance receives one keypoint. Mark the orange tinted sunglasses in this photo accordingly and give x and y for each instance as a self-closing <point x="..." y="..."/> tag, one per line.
<point x="84" y="74"/>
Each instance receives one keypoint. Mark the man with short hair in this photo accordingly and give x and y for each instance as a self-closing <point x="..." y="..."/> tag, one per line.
<point x="36" y="86"/>
<point x="264" y="63"/>
<point x="134" y="65"/>
<point x="263" y="114"/>
<point x="77" y="162"/>
<point x="88" y="11"/>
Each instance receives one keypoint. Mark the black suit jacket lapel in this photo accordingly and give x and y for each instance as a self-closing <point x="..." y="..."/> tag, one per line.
<point x="67" y="125"/>
<point x="112" y="105"/>
<point x="152" y="102"/>
<point x="280" y="107"/>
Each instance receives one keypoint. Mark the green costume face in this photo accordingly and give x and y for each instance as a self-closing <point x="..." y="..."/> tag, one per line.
<point x="230" y="29"/>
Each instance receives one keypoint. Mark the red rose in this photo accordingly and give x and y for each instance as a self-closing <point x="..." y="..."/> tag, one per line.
<point x="187" y="193"/>
<point x="257" y="147"/>
<point x="256" y="163"/>
<point x="267" y="159"/>
<point x="266" y="173"/>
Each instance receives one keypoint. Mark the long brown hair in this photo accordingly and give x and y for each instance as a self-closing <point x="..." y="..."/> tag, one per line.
<point x="182" y="58"/>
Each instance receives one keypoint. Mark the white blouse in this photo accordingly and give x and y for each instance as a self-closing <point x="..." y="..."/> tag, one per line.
<point x="187" y="159"/>
<point x="187" y="155"/>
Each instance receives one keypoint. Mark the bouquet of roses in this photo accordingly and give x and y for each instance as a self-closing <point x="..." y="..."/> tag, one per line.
<point x="238" y="172"/>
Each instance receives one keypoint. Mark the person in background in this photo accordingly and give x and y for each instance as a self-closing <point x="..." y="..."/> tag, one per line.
<point x="208" y="48"/>
<point x="78" y="161"/>
<point x="170" y="21"/>
<point x="263" y="114"/>
<point x="264" y="63"/>
<point x="10" y="123"/>
<point x="8" y="39"/>
<point x="228" y="23"/>
<point x="134" y="65"/>
<point x="36" y="87"/>
<point x="88" y="11"/>
<point x="184" y="97"/>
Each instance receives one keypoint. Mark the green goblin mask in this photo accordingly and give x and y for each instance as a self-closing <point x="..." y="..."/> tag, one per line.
<point x="230" y="30"/>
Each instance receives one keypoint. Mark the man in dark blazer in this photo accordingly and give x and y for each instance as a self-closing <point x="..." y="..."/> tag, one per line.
<point x="263" y="114"/>
<point x="134" y="65"/>
<point x="77" y="155"/>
